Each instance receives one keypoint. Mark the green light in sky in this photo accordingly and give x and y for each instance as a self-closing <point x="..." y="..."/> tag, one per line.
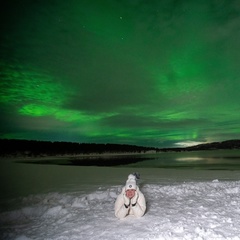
<point x="36" y="110"/>
<point x="38" y="95"/>
<point x="171" y="115"/>
<point x="22" y="86"/>
<point x="183" y="74"/>
<point x="129" y="70"/>
<point x="104" y="20"/>
<point x="78" y="116"/>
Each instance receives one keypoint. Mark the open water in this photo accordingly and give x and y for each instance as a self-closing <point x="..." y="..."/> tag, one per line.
<point x="205" y="160"/>
<point x="208" y="160"/>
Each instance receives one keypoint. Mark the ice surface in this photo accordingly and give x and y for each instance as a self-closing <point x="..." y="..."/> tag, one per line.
<point x="64" y="202"/>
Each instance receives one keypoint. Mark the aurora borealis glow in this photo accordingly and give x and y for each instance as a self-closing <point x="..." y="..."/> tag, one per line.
<point x="159" y="73"/>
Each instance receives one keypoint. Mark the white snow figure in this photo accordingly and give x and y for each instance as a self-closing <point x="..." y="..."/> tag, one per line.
<point x="131" y="200"/>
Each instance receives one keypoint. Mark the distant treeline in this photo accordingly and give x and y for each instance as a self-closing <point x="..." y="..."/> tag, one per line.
<point x="15" y="147"/>
<point x="229" y="144"/>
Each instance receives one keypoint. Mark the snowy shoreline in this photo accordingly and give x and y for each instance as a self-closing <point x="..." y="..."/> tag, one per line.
<point x="69" y="202"/>
<point x="193" y="210"/>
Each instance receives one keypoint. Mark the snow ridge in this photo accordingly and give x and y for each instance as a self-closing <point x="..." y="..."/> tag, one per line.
<point x="188" y="210"/>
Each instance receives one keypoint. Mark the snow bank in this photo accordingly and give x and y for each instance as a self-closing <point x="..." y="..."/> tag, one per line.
<point x="187" y="210"/>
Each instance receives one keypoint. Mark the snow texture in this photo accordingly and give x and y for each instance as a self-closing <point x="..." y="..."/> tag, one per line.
<point x="177" y="208"/>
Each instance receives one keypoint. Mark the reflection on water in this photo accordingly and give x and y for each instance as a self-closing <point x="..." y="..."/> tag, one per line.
<point x="211" y="160"/>
<point x="189" y="159"/>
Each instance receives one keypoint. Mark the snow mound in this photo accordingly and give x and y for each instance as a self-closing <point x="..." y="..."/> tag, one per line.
<point x="192" y="210"/>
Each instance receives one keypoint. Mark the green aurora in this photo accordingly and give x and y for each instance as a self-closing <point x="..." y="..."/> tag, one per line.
<point x="160" y="73"/>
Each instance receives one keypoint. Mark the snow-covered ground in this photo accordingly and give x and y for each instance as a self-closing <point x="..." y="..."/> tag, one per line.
<point x="69" y="202"/>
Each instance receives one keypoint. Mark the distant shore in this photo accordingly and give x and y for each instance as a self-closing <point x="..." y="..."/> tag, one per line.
<point x="40" y="149"/>
<point x="214" y="159"/>
<point x="103" y="159"/>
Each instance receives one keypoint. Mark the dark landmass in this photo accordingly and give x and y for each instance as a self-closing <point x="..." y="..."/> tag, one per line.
<point x="230" y="144"/>
<point x="83" y="154"/>
<point x="102" y="155"/>
<point x="33" y="148"/>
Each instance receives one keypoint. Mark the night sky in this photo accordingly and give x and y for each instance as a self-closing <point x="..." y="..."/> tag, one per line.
<point x="160" y="73"/>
